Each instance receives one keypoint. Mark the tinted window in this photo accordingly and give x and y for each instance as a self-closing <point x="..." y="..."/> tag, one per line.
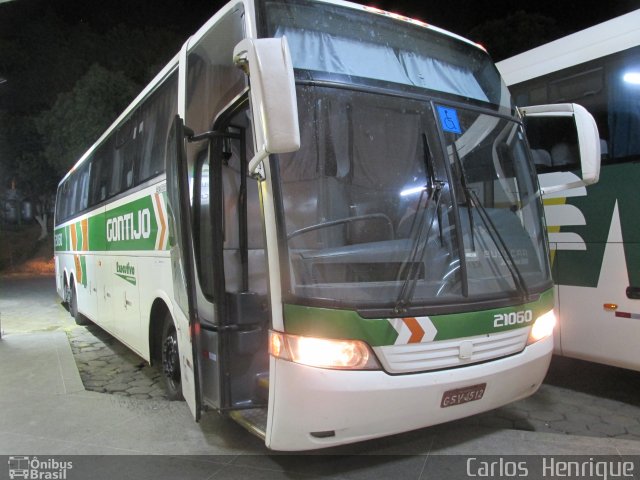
<point x="155" y="118"/>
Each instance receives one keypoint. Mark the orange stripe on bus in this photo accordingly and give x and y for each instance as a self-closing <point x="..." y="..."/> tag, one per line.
<point x="163" y="224"/>
<point x="85" y="234"/>
<point x="416" y="330"/>
<point x="76" y="260"/>
<point x="74" y="238"/>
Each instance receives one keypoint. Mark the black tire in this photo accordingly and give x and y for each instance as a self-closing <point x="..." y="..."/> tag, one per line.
<point x="73" y="308"/>
<point x="170" y="357"/>
<point x="73" y="301"/>
<point x="67" y="296"/>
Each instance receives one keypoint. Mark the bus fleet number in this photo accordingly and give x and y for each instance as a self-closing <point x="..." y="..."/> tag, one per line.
<point x="513" y="318"/>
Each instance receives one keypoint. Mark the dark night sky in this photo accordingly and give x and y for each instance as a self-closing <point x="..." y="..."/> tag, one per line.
<point x="459" y="16"/>
<point x="183" y="17"/>
<point x="47" y="45"/>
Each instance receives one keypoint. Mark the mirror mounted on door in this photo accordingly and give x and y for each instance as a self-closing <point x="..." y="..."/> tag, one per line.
<point x="267" y="62"/>
<point x="563" y="138"/>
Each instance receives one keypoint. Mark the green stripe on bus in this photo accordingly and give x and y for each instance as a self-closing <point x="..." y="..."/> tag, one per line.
<point x="132" y="226"/>
<point x="346" y="324"/>
<point x="483" y="322"/>
<point x="97" y="238"/>
<point x="83" y="268"/>
<point x="331" y="323"/>
<point x="140" y="225"/>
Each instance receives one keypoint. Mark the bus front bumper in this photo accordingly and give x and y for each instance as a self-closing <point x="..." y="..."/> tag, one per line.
<point x="311" y="408"/>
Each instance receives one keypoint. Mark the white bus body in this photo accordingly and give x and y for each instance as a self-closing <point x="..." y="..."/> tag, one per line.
<point x="322" y="220"/>
<point x="593" y="231"/>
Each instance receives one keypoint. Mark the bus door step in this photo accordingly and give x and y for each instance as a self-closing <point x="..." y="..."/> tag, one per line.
<point x="253" y="419"/>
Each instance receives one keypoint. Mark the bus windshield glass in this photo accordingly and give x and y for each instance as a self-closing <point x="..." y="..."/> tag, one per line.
<point x="364" y="46"/>
<point x="402" y="202"/>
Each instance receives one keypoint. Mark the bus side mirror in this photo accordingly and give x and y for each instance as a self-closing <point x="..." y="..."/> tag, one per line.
<point x="562" y="137"/>
<point x="267" y="62"/>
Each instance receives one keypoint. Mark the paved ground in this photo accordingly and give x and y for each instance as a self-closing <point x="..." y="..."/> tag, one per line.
<point x="578" y="398"/>
<point x="107" y="366"/>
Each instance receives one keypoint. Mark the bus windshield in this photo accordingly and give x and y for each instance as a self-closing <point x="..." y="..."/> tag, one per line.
<point x="346" y="42"/>
<point x="403" y="202"/>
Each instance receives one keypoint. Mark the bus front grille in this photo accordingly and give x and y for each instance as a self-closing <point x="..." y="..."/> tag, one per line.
<point x="417" y="357"/>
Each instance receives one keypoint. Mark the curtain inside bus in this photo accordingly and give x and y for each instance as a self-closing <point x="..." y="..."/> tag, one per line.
<point x="379" y="62"/>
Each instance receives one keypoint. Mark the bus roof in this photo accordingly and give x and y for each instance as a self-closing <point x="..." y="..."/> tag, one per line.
<point x="609" y="37"/>
<point x="201" y="32"/>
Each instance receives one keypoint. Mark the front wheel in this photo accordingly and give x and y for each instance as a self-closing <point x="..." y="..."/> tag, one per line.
<point x="171" y="360"/>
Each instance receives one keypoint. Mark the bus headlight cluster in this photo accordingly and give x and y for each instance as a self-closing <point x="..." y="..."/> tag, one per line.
<point x="322" y="352"/>
<point x="542" y="327"/>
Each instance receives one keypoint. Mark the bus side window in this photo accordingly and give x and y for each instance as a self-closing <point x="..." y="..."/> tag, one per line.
<point x="61" y="210"/>
<point x="101" y="173"/>
<point x="116" y="174"/>
<point x="153" y="128"/>
<point x="72" y="195"/>
<point x="554" y="143"/>
<point x="124" y="157"/>
<point x="83" y="187"/>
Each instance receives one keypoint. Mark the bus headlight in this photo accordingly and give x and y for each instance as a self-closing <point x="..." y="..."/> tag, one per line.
<point x="542" y="327"/>
<point x="322" y="352"/>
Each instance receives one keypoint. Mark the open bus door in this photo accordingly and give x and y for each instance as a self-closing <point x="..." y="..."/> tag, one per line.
<point x="182" y="265"/>
<point x="209" y="317"/>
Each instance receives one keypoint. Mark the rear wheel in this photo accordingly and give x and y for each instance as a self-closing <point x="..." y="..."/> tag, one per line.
<point x="66" y="301"/>
<point x="171" y="360"/>
<point x="73" y="307"/>
<point x="73" y="300"/>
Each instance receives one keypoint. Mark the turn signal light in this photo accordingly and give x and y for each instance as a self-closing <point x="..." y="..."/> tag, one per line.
<point x="322" y="352"/>
<point x="542" y="327"/>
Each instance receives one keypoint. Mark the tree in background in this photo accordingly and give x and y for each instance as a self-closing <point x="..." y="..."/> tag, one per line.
<point x="80" y="116"/>
<point x="67" y="81"/>
<point x="516" y="33"/>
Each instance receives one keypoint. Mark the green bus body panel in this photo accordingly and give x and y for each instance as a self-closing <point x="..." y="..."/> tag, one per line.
<point x="346" y="324"/>
<point x="139" y="225"/>
<point x="83" y="269"/>
<point x="97" y="233"/>
<point x="134" y="224"/>
<point x="618" y="183"/>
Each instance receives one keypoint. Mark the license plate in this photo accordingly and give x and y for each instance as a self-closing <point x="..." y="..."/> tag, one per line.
<point x="459" y="396"/>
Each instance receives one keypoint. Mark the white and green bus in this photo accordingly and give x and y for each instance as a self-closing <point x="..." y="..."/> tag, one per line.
<point x="323" y="221"/>
<point x="594" y="231"/>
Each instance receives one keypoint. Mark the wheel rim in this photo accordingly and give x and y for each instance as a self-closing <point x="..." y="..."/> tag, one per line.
<point x="171" y="358"/>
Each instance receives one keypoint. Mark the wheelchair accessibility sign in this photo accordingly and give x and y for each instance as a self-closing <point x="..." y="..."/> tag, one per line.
<point x="449" y="119"/>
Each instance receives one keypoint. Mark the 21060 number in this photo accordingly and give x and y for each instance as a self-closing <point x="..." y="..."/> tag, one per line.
<point x="513" y="318"/>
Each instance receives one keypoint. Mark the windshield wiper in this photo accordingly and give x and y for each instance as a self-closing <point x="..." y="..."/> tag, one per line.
<point x="417" y="230"/>
<point x="431" y="178"/>
<point x="499" y="241"/>
<point x="473" y="201"/>
<point x="418" y="247"/>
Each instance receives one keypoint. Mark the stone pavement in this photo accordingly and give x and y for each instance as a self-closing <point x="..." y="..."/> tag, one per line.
<point x="578" y="399"/>
<point x="108" y="366"/>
